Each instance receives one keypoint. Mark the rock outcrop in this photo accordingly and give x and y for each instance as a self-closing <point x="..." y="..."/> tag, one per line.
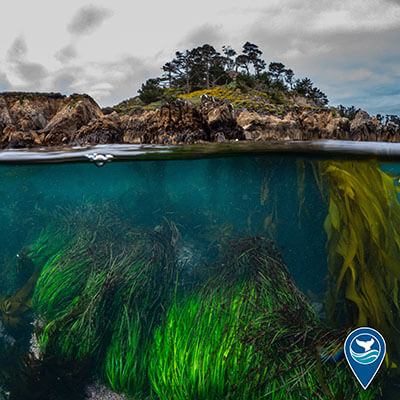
<point x="28" y="119"/>
<point x="269" y="127"/>
<point x="181" y="122"/>
<point x="37" y="119"/>
<point x="78" y="111"/>
<point x="105" y="129"/>
<point x="314" y="125"/>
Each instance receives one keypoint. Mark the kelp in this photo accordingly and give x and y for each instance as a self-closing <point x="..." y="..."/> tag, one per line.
<point x="363" y="230"/>
<point x="13" y="308"/>
<point x="301" y="174"/>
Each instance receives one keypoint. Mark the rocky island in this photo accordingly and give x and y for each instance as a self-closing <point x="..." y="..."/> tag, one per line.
<point x="202" y="97"/>
<point x="48" y="119"/>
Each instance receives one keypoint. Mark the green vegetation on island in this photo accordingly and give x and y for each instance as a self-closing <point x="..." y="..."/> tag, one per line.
<point x="243" y="79"/>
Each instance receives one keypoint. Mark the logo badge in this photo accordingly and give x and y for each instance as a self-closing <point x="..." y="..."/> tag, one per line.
<point x="365" y="349"/>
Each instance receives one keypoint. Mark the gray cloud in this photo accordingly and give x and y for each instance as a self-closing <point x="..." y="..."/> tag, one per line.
<point x="348" y="49"/>
<point x="87" y="19"/>
<point x="66" y="54"/>
<point x="30" y="72"/>
<point x="18" y="49"/>
<point x="62" y="81"/>
<point x="343" y="61"/>
<point x="206" y="33"/>
<point x="128" y="73"/>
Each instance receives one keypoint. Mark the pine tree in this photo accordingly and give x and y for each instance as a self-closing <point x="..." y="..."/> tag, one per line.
<point x="253" y="54"/>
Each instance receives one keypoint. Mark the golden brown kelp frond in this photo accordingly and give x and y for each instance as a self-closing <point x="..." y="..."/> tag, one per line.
<point x="301" y="174"/>
<point x="264" y="189"/>
<point x="363" y="229"/>
<point x="13" y="308"/>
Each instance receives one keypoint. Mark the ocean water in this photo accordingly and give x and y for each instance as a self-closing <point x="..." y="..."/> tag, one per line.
<point x="196" y="276"/>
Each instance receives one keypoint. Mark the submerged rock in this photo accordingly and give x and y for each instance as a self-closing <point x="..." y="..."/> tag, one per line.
<point x="101" y="392"/>
<point x="6" y="340"/>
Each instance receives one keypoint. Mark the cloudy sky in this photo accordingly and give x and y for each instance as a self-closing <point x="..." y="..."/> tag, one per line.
<point x="349" y="49"/>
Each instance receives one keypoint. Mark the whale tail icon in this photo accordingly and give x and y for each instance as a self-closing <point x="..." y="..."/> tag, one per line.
<point x="365" y="345"/>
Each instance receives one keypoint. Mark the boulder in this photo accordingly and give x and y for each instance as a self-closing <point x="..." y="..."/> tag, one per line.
<point x="268" y="127"/>
<point x="175" y="122"/>
<point x="27" y="111"/>
<point x="219" y="120"/>
<point x="323" y="124"/>
<point x="106" y="129"/>
<point x="31" y="114"/>
<point x="180" y="121"/>
<point x="363" y="127"/>
<point x="16" y="139"/>
<point x="389" y="133"/>
<point x="134" y="126"/>
<point x="78" y="111"/>
<point x="304" y="125"/>
<point x="5" y="118"/>
<point x="33" y="119"/>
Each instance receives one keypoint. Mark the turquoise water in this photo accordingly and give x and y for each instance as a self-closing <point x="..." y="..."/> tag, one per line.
<point x="192" y="216"/>
<point x="193" y="193"/>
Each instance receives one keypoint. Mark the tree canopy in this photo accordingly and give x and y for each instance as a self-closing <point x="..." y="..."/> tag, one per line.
<point x="204" y="67"/>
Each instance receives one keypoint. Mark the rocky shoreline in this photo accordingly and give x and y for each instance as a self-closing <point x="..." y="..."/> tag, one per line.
<point x="52" y="119"/>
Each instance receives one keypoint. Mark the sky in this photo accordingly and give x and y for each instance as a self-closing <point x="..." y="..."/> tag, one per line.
<point x="349" y="49"/>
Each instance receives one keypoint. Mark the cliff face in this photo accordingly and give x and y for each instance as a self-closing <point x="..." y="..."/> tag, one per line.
<point x="28" y="120"/>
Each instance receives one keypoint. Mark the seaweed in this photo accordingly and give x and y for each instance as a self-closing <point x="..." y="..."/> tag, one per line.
<point x="363" y="231"/>
<point x="14" y="308"/>
<point x="247" y="333"/>
<point x="103" y="292"/>
<point x="196" y="354"/>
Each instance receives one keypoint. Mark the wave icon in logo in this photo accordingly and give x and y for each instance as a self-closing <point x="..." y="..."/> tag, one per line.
<point x="365" y="349"/>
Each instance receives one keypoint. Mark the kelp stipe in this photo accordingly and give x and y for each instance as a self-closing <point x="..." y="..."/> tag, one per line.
<point x="363" y="230"/>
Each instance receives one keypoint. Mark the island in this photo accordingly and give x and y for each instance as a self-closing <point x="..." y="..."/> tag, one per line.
<point x="203" y="96"/>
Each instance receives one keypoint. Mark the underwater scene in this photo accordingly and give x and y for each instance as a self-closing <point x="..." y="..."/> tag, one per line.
<point x="198" y="279"/>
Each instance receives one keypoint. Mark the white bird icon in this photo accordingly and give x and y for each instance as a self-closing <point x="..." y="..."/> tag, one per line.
<point x="366" y="345"/>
